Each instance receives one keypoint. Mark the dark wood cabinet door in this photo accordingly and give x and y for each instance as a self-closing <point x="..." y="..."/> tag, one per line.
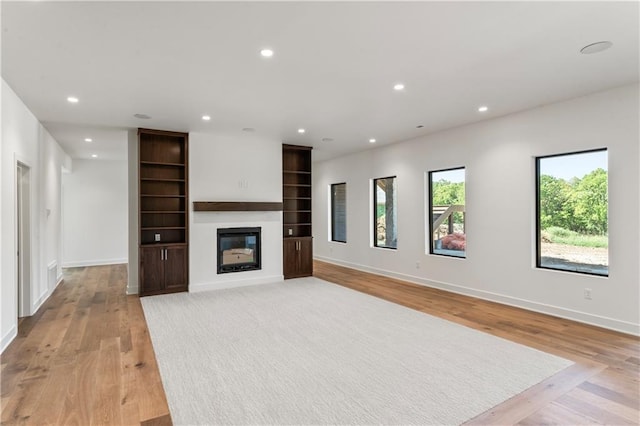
<point x="297" y="257"/>
<point x="151" y="269"/>
<point x="175" y="267"/>
<point x="305" y="257"/>
<point x="290" y="257"/>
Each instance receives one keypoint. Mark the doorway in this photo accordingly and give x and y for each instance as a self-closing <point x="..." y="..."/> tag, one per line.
<point x="23" y="238"/>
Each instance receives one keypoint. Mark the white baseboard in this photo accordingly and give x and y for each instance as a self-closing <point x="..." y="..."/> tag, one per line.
<point x="195" y="288"/>
<point x="133" y="289"/>
<point x="8" y="338"/>
<point x="583" y="317"/>
<point x="97" y="262"/>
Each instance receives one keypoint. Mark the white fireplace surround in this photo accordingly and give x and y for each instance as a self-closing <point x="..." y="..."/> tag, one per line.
<point x="203" y="249"/>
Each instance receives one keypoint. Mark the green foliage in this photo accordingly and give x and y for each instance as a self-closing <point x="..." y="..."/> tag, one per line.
<point x="579" y="205"/>
<point x="559" y="235"/>
<point x="555" y="202"/>
<point x="557" y="232"/>
<point x="590" y="203"/>
<point x="446" y="193"/>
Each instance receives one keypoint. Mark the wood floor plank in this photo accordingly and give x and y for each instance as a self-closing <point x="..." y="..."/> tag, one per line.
<point x="81" y="391"/>
<point x="591" y="411"/>
<point x="528" y="402"/>
<point x="50" y="403"/>
<point x="627" y="398"/>
<point x="106" y="408"/>
<point x="555" y="414"/>
<point x="627" y="413"/>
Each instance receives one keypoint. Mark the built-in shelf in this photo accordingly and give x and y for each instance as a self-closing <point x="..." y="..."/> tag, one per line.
<point x="163" y="190"/>
<point x="161" y="212"/>
<point x="149" y="228"/>
<point x="296" y="172"/>
<point x="159" y="163"/>
<point x="161" y="180"/>
<point x="236" y="206"/>
<point x="297" y="243"/>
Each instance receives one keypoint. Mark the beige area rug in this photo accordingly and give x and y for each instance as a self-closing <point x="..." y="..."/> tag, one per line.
<point x="306" y="351"/>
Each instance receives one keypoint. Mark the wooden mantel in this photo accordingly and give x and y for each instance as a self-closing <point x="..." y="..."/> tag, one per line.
<point x="236" y="206"/>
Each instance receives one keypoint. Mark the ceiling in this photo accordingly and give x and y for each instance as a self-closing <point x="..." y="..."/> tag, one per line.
<point x="333" y="71"/>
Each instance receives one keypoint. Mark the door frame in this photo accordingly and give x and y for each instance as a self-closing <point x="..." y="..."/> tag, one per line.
<point x="23" y="232"/>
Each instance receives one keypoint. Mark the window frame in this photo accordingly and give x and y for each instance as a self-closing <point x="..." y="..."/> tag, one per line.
<point x="429" y="215"/>
<point x="332" y="212"/>
<point x="375" y="211"/>
<point x="537" y="212"/>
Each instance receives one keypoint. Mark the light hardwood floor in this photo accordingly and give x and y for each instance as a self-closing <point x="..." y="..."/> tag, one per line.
<point x="86" y="357"/>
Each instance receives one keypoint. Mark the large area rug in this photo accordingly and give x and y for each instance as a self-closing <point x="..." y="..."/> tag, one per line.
<point x="306" y="351"/>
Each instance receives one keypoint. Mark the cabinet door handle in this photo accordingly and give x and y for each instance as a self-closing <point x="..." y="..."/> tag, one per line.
<point x="161" y="254"/>
<point x="166" y="254"/>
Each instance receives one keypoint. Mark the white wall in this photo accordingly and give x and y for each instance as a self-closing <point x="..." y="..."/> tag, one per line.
<point x="233" y="167"/>
<point x="500" y="179"/>
<point x="95" y="203"/>
<point x="24" y="139"/>
<point x="224" y="167"/>
<point x="5" y="334"/>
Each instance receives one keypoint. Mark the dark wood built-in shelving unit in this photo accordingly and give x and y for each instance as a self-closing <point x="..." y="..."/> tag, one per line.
<point x="164" y="223"/>
<point x="296" y="214"/>
<point x="236" y="206"/>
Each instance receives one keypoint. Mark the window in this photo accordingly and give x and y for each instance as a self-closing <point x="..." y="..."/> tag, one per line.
<point x="572" y="210"/>
<point x="385" y="213"/>
<point x="447" y="213"/>
<point x="339" y="212"/>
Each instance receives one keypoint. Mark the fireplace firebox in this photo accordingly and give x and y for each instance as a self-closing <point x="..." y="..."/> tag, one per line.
<point x="239" y="250"/>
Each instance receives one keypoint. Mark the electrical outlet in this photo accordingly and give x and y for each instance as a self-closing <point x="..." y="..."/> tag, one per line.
<point x="157" y="237"/>
<point x="290" y="231"/>
<point x="587" y="293"/>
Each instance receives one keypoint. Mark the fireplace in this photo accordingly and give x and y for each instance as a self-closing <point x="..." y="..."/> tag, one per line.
<point x="238" y="250"/>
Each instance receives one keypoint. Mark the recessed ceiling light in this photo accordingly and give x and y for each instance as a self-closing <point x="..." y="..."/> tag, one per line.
<point x="142" y="116"/>
<point x="372" y="140"/>
<point x="327" y="140"/>
<point x="206" y="117"/>
<point x="88" y="140"/>
<point x="248" y="129"/>
<point x="267" y="53"/>
<point x="73" y="100"/>
<point x="94" y="155"/>
<point x="301" y="130"/>
<point x="398" y="86"/>
<point x="483" y="108"/>
<point x="596" y="47"/>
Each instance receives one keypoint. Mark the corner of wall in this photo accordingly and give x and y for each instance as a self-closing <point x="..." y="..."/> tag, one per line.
<point x="132" y="267"/>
